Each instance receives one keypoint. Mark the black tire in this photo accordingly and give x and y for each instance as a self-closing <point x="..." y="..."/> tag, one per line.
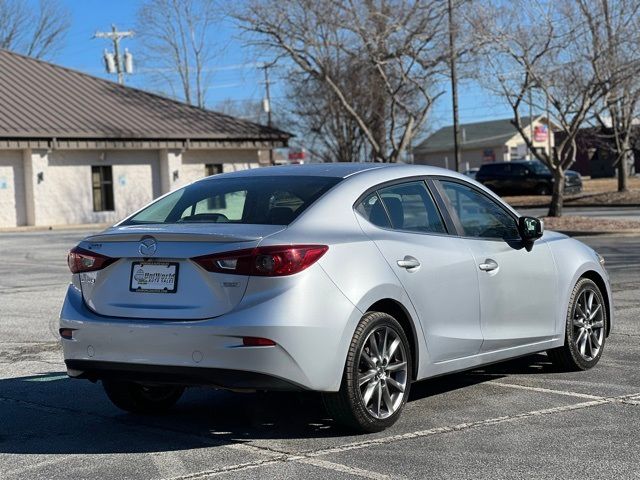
<point x="347" y="407"/>
<point x="569" y="356"/>
<point x="543" y="189"/>
<point x="137" y="398"/>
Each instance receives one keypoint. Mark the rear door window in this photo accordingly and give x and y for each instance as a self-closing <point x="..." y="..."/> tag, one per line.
<point x="406" y="206"/>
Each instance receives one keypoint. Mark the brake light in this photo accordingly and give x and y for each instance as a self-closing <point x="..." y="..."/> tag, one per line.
<point x="81" y="260"/>
<point x="275" y="261"/>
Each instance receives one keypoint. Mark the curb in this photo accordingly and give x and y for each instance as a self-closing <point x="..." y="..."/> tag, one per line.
<point x="597" y="205"/>
<point x="631" y="232"/>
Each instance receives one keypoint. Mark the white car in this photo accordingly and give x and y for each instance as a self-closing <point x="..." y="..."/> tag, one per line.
<point x="353" y="280"/>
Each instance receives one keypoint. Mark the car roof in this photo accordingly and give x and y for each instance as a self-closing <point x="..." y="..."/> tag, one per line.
<point x="335" y="170"/>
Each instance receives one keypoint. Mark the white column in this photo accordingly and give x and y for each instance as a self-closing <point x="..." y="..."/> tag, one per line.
<point x="170" y="170"/>
<point x="35" y="173"/>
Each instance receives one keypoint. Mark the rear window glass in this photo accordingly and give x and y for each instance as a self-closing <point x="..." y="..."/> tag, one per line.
<point x="276" y="200"/>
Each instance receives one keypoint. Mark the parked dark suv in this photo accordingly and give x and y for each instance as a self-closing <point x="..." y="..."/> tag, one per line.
<point x="524" y="177"/>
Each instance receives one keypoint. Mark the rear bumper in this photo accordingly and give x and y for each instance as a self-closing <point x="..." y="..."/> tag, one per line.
<point x="310" y="321"/>
<point x="163" y="374"/>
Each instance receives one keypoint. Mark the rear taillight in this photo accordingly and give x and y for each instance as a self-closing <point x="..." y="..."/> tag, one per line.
<point x="81" y="260"/>
<point x="263" y="261"/>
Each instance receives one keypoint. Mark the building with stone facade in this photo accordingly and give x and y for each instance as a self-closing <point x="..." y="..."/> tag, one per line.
<point x="79" y="149"/>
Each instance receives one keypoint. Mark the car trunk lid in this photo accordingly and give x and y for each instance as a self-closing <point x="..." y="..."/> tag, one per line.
<point x="154" y="277"/>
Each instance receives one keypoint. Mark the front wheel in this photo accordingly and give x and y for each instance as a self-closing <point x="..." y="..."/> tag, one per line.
<point x="377" y="376"/>
<point x="585" y="331"/>
<point x="137" y="398"/>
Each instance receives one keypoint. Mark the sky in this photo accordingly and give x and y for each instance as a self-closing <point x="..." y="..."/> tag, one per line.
<point x="236" y="77"/>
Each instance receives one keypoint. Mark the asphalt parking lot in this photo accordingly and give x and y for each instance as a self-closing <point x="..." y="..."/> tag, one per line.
<point x="513" y="420"/>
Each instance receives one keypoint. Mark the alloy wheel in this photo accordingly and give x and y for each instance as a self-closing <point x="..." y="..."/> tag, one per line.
<point x="588" y="324"/>
<point x="382" y="372"/>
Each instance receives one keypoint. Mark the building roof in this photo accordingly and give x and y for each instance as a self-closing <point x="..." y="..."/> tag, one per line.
<point x="43" y="100"/>
<point x="476" y="135"/>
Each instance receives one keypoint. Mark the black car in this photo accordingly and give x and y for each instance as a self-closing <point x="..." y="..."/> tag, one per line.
<point x="524" y="177"/>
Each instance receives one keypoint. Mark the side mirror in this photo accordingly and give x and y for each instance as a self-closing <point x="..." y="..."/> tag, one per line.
<point x="531" y="228"/>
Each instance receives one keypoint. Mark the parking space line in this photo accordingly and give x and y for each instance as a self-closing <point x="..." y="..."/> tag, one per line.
<point x="546" y="390"/>
<point x="311" y="457"/>
<point x="20" y="471"/>
<point x="338" y="467"/>
<point x="277" y="457"/>
<point x="226" y="469"/>
<point x="459" y="427"/>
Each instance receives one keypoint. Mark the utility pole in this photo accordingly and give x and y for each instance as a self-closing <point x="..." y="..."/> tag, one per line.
<point x="454" y="89"/>
<point x="266" y="104"/>
<point x="114" y="62"/>
<point x="530" y="155"/>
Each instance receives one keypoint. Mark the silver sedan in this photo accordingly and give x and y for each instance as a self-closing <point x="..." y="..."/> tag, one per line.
<point x="353" y="280"/>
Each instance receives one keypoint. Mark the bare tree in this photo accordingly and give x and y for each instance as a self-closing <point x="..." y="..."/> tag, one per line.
<point x="402" y="44"/>
<point x="37" y="32"/>
<point x="176" y="42"/>
<point x="543" y="51"/>
<point x="329" y="132"/>
<point x="614" y="28"/>
<point x="251" y="110"/>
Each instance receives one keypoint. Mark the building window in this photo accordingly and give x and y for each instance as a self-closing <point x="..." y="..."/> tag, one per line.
<point x="212" y="169"/>
<point x="102" y="181"/>
<point x="514" y="154"/>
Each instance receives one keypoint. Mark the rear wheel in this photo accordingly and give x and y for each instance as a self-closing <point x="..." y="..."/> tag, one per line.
<point x="585" y="329"/>
<point x="376" y="379"/>
<point x="137" y="398"/>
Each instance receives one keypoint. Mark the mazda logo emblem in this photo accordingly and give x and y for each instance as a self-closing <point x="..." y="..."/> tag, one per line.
<point x="148" y="246"/>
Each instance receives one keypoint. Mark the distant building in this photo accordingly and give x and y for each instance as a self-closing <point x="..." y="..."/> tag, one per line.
<point x="595" y="152"/>
<point x="78" y="149"/>
<point x="483" y="142"/>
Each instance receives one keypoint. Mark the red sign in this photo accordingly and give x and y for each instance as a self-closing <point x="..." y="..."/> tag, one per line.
<point x="297" y="154"/>
<point x="540" y="133"/>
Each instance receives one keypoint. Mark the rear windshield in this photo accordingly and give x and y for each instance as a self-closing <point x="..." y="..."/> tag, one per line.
<point x="276" y="200"/>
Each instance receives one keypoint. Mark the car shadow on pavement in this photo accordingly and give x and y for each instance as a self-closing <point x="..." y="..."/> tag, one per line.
<point x="52" y="414"/>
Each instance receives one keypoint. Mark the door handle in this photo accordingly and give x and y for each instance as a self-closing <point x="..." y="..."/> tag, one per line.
<point x="409" y="262"/>
<point x="488" y="265"/>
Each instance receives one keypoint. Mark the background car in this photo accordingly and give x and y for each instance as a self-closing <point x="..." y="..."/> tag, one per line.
<point x="471" y="173"/>
<point x="524" y="177"/>
<point x="353" y="280"/>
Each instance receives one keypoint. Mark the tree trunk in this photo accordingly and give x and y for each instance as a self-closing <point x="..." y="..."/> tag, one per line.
<point x="557" y="198"/>
<point x="623" y="167"/>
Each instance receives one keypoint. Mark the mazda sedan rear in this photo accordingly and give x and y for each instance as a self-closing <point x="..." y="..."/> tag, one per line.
<point x="353" y="280"/>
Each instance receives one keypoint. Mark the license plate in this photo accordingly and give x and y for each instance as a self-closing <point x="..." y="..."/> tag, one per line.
<point x="154" y="277"/>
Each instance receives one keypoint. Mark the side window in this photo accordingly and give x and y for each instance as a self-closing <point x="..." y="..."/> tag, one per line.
<point x="411" y="207"/>
<point x="372" y="209"/>
<point x="479" y="215"/>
